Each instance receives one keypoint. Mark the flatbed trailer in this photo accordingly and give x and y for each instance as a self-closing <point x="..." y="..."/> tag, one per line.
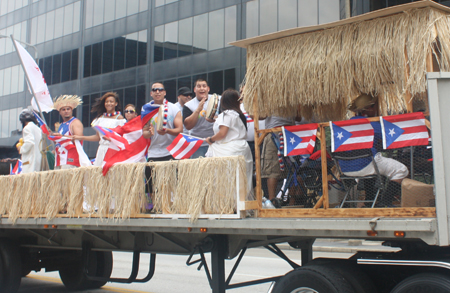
<point x="79" y="244"/>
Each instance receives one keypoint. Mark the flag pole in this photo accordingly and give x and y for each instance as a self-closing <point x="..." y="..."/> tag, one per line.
<point x="28" y="80"/>
<point x="31" y="86"/>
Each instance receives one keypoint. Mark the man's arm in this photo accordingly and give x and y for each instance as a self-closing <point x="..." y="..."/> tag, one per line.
<point x="178" y="125"/>
<point x="77" y="127"/>
<point x="192" y="117"/>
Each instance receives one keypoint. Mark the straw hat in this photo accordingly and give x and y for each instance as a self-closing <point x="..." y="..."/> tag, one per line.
<point x="72" y="101"/>
<point x="362" y="102"/>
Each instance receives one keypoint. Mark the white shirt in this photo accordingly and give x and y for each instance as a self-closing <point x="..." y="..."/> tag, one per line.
<point x="202" y="128"/>
<point x="159" y="142"/>
<point x="30" y="151"/>
<point x="236" y="129"/>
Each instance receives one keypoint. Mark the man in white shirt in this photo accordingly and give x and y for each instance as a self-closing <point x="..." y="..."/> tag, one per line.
<point x="194" y="116"/>
<point x="174" y="125"/>
<point x="30" y="150"/>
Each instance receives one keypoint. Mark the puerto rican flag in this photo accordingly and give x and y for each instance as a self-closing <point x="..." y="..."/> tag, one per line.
<point x="404" y="130"/>
<point x="249" y="119"/>
<point x="353" y="134"/>
<point x="17" y="168"/>
<point x="299" y="139"/>
<point x="183" y="146"/>
<point x="127" y="144"/>
<point x="42" y="123"/>
<point x="148" y="111"/>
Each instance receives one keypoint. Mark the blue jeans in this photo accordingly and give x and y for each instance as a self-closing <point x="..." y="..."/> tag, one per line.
<point x="200" y="152"/>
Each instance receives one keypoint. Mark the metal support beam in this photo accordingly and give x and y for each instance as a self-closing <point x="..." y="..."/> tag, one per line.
<point x="218" y="254"/>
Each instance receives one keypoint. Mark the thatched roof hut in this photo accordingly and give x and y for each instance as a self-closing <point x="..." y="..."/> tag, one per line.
<point x="322" y="68"/>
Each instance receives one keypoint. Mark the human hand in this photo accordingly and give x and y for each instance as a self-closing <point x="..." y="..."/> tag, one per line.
<point x="106" y="138"/>
<point x="201" y="104"/>
<point x="162" y="131"/>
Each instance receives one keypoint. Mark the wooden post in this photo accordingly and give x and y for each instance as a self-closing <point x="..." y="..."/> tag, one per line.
<point x="257" y="152"/>
<point x="323" y="156"/>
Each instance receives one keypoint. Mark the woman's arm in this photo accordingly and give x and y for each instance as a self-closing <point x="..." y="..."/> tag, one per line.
<point x="223" y="130"/>
<point x="94" y="137"/>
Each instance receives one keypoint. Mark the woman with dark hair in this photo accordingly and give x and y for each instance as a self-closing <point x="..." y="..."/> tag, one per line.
<point x="108" y="115"/>
<point x="230" y="133"/>
<point x="30" y="148"/>
<point x="130" y="112"/>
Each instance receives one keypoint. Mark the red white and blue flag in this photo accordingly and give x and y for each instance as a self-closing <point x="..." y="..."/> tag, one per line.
<point x="404" y="130"/>
<point x="63" y="145"/>
<point x="148" y="111"/>
<point x="183" y="146"/>
<point x="299" y="139"/>
<point x="17" y="168"/>
<point x="353" y="134"/>
<point x="127" y="144"/>
<point x="42" y="123"/>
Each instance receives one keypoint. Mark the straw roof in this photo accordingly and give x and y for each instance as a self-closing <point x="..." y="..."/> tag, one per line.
<point x="323" y="68"/>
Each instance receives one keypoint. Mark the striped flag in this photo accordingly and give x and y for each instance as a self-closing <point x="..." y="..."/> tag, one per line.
<point x="183" y="146"/>
<point x="353" y="134"/>
<point x="404" y="130"/>
<point x="41" y="123"/>
<point x="148" y="111"/>
<point x="17" y="168"/>
<point x="299" y="139"/>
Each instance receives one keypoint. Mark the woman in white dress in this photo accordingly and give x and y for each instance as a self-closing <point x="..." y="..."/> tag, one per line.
<point x="109" y="116"/>
<point x="230" y="133"/>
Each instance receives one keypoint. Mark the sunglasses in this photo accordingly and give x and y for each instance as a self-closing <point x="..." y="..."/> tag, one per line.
<point x="129" y="111"/>
<point x="157" y="89"/>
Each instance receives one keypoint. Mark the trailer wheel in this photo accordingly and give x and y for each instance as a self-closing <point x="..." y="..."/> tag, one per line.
<point x="10" y="267"/>
<point x="424" y="282"/>
<point x="313" y="279"/>
<point x="100" y="265"/>
<point x="357" y="278"/>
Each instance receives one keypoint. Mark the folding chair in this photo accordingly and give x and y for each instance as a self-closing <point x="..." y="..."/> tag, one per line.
<point x="349" y="182"/>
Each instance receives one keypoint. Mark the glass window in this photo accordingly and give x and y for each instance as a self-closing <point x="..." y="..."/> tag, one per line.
<point x="121" y="8"/>
<point x="7" y="81"/>
<point x="17" y="31"/>
<point x="1" y="82"/>
<point x="59" y="22"/>
<point x="96" y="59"/>
<point x="5" y="122"/>
<point x="170" y="40"/>
<point x="268" y="15"/>
<point x="230" y="25"/>
<point x="10" y="5"/>
<point x="158" y="44"/>
<point x="230" y="79"/>
<point x="307" y="12"/>
<point x="86" y="110"/>
<point x="171" y="90"/>
<point x="119" y="53"/>
<point x="14" y="79"/>
<point x="13" y="120"/>
<point x="142" y="53"/>
<point x="50" y="26"/>
<point x="56" y="69"/>
<point x="216" y="29"/>
<point x="131" y="50"/>
<point x="87" y="61"/>
<point x="65" y="66"/>
<point x="68" y="19"/>
<point x="47" y="72"/>
<point x="21" y="79"/>
<point x="329" y="11"/>
<point x="33" y="32"/>
<point x="132" y="7"/>
<point x="143" y="5"/>
<point x="215" y="82"/>
<point x="99" y="6"/>
<point x="2" y="42"/>
<point x="185" y="81"/>
<point x="110" y="11"/>
<point x="74" y="65"/>
<point x="9" y="46"/>
<point x="252" y="19"/>
<point x="287" y="14"/>
<point x="76" y="16"/>
<point x="141" y="98"/>
<point x="89" y="13"/>
<point x="159" y="3"/>
<point x="200" y="33"/>
<point x="130" y="96"/>
<point x="3" y="7"/>
<point x="108" y="49"/>
<point x="185" y="37"/>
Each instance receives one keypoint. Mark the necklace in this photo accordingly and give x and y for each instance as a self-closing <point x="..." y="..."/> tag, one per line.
<point x="166" y="110"/>
<point x="111" y="114"/>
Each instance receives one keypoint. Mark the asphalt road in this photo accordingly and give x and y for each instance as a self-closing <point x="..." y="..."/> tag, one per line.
<point x="172" y="274"/>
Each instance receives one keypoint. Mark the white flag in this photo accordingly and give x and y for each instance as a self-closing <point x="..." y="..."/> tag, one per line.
<point x="36" y="78"/>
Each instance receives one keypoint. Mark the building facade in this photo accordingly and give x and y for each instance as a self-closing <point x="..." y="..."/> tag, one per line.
<point x="89" y="47"/>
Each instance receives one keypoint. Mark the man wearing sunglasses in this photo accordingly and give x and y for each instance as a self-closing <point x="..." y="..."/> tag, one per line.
<point x="173" y="126"/>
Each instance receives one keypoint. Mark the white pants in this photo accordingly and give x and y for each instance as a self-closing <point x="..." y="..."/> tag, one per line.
<point x="390" y="168"/>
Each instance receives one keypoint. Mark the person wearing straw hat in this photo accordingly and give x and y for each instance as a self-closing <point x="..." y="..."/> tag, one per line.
<point x="32" y="135"/>
<point x="363" y="106"/>
<point x="67" y="154"/>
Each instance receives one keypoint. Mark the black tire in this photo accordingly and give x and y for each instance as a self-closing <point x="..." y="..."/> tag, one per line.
<point x="100" y="265"/>
<point x="358" y="279"/>
<point x="316" y="278"/>
<point x="424" y="282"/>
<point x="10" y="267"/>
